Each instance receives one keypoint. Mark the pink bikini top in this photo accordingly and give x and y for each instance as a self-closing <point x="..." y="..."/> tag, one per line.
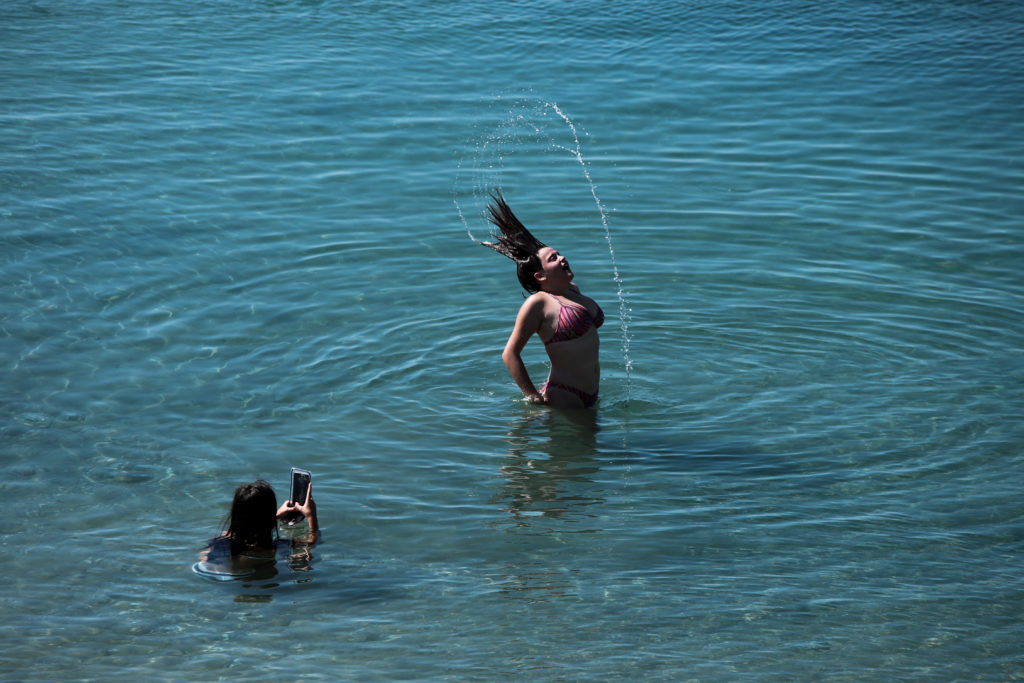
<point x="573" y="321"/>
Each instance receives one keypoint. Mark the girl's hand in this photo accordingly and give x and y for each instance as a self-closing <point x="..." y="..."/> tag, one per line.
<point x="307" y="509"/>
<point x="287" y="508"/>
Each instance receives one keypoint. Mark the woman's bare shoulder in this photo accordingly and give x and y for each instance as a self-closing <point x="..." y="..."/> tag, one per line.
<point x="536" y="307"/>
<point x="535" y="301"/>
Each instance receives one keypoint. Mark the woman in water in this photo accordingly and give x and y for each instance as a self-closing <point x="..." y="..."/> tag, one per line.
<point x="556" y="311"/>
<point x="250" y="539"/>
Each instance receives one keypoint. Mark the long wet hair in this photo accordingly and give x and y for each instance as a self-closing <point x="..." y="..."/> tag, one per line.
<point x="252" y="521"/>
<point x="515" y="242"/>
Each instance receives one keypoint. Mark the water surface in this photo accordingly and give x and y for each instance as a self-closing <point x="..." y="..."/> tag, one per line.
<point x="235" y="240"/>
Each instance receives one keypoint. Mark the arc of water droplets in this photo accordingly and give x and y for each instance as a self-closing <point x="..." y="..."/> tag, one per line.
<point x="624" y="316"/>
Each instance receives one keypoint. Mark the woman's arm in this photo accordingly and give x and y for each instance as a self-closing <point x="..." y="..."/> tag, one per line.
<point x="528" y="321"/>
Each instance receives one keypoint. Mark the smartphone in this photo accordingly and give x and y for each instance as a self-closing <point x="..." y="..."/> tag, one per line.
<point x="300" y="485"/>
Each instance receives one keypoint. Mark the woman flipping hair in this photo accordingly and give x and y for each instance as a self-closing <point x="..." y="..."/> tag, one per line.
<point x="564" y="319"/>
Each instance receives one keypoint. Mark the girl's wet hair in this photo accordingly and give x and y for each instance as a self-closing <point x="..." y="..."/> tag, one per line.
<point x="515" y="242"/>
<point x="253" y="518"/>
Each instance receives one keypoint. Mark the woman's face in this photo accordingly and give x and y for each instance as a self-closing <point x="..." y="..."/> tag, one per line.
<point x="555" y="269"/>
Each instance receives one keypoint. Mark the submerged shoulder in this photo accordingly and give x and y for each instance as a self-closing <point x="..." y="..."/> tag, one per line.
<point x="217" y="548"/>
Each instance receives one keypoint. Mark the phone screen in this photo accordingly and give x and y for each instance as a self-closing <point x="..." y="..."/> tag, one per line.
<point x="300" y="484"/>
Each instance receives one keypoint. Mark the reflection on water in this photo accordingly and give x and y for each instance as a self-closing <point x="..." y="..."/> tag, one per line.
<point x="549" y="489"/>
<point x="548" y="473"/>
<point x="300" y="560"/>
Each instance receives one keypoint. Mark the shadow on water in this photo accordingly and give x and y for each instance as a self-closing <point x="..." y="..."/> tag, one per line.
<point x="539" y="581"/>
<point x="344" y="579"/>
<point x="554" y="458"/>
<point x="662" y="453"/>
<point x="256" y="574"/>
<point x="548" y="471"/>
<point x="354" y="582"/>
<point x="643" y="436"/>
<point x="560" y="470"/>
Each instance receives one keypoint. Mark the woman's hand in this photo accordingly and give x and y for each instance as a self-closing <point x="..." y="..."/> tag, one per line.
<point x="538" y="399"/>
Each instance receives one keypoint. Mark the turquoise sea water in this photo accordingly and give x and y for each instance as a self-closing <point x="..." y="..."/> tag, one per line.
<point x="234" y="239"/>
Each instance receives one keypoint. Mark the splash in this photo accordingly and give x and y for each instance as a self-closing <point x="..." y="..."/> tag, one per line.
<point x="526" y="133"/>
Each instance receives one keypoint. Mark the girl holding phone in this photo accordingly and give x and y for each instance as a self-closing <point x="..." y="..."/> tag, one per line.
<point x="250" y="537"/>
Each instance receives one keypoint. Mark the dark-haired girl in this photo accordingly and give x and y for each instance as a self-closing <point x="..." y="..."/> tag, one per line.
<point x="250" y="538"/>
<point x="556" y="311"/>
